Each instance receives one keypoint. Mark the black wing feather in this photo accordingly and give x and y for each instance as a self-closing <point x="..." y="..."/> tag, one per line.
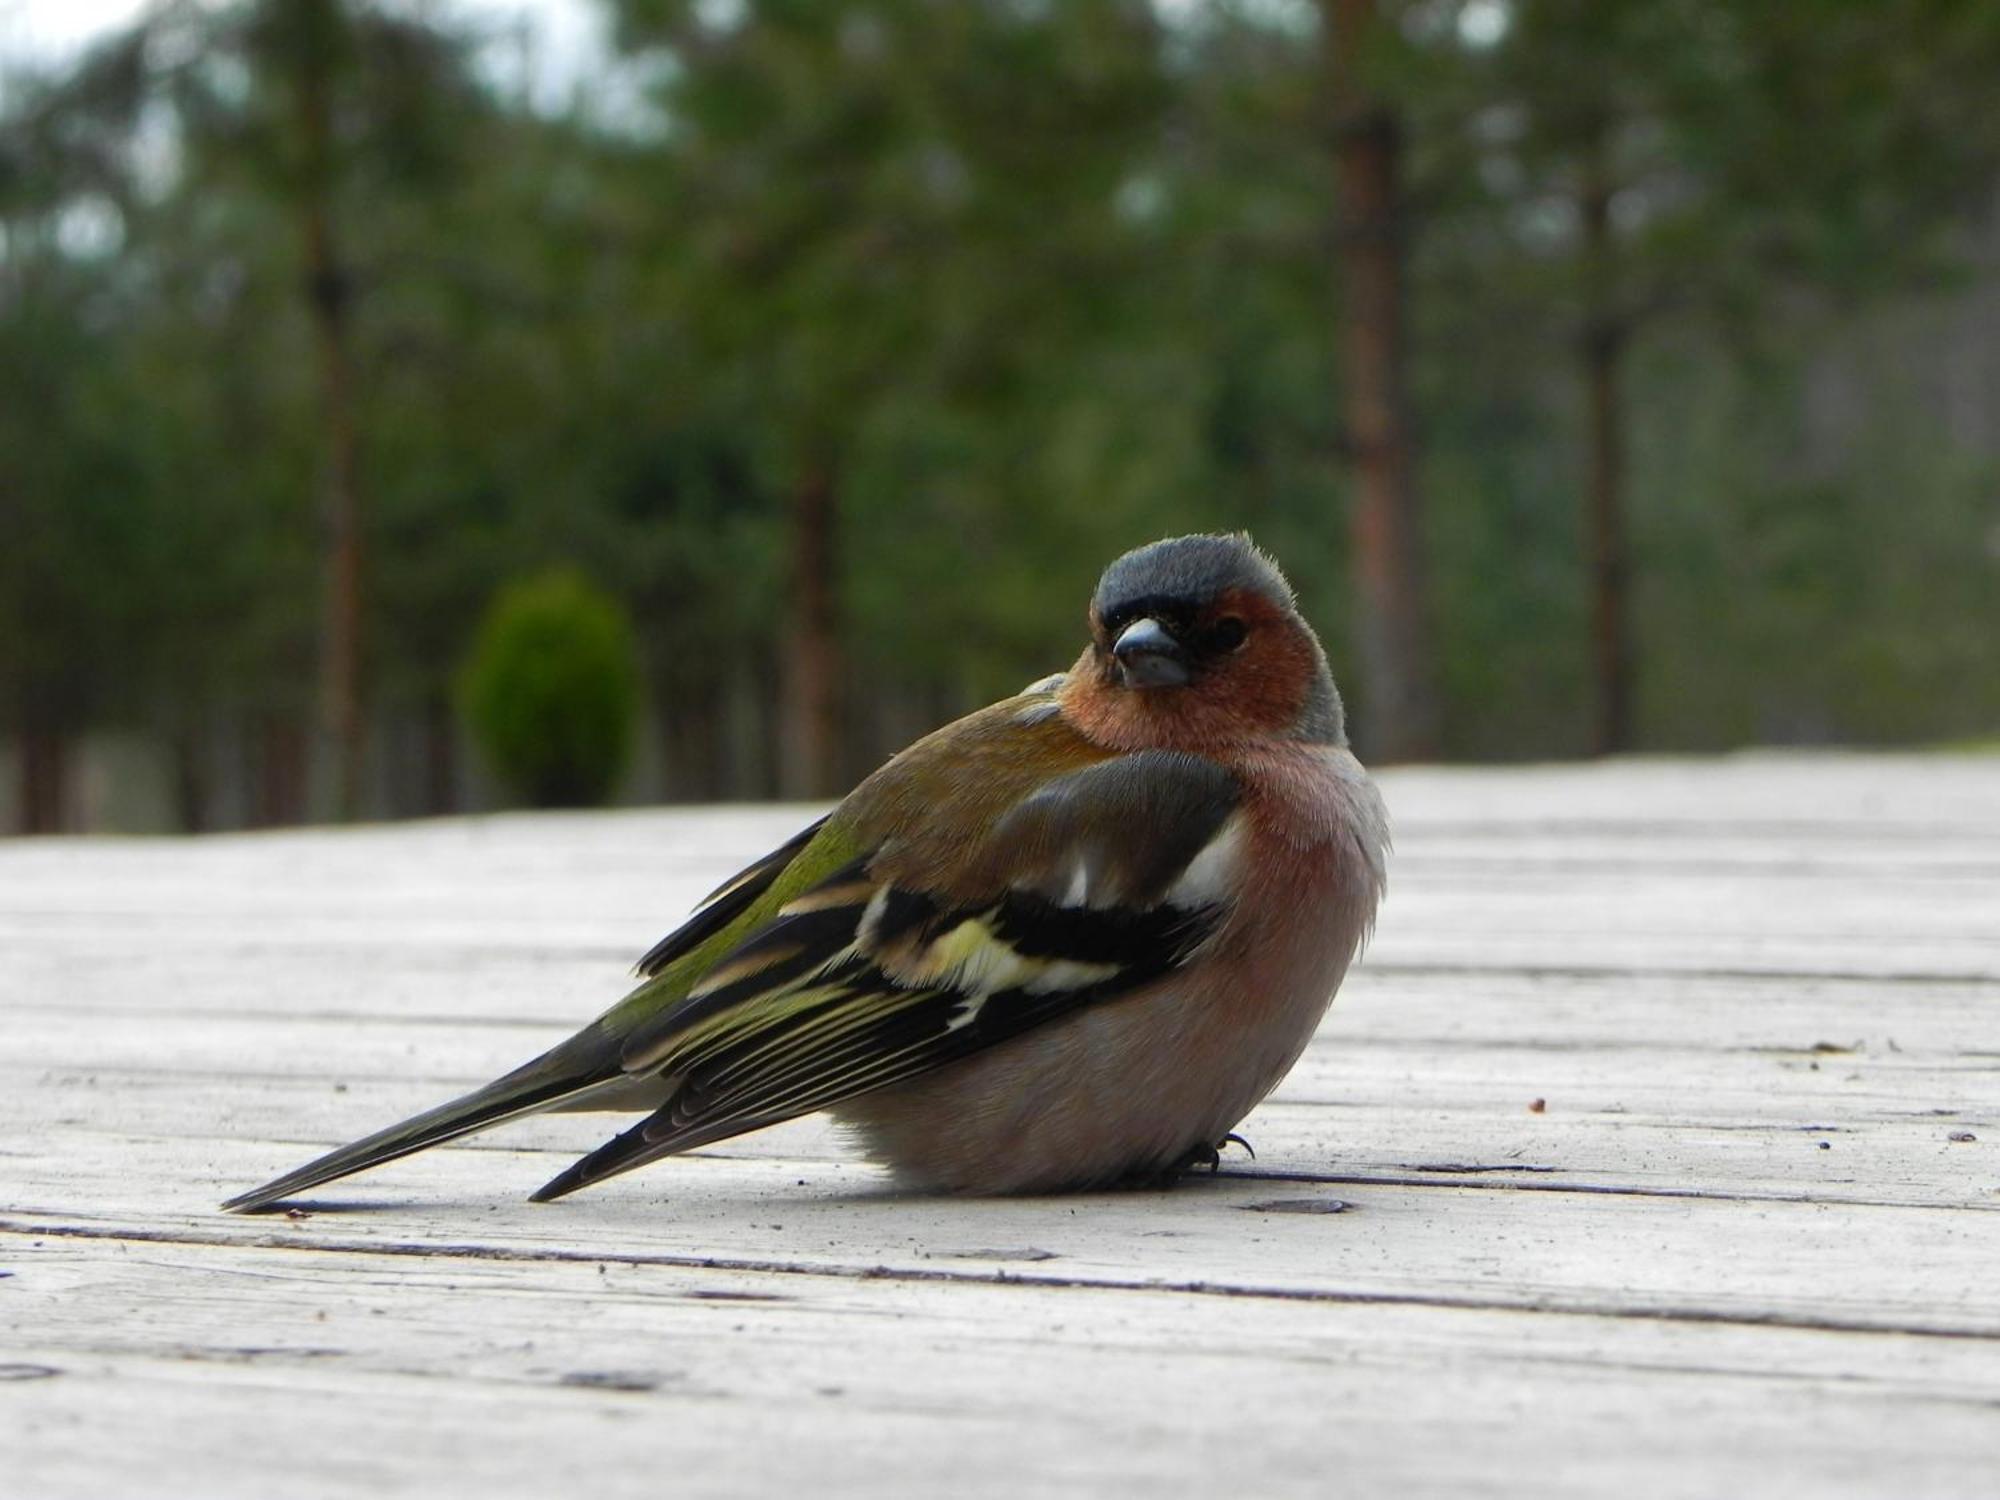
<point x="726" y="903"/>
<point x="843" y="993"/>
<point x="840" y="1048"/>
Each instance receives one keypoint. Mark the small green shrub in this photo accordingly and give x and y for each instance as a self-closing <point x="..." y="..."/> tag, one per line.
<point x="551" y="691"/>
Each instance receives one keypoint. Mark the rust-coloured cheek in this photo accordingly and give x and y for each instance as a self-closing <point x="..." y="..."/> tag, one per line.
<point x="1250" y="694"/>
<point x="1266" y="681"/>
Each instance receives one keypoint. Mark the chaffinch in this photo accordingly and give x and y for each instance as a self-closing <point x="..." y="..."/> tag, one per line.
<point x="1068" y="941"/>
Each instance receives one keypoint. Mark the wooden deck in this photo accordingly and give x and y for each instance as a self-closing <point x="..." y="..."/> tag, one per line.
<point x="1654" y="1151"/>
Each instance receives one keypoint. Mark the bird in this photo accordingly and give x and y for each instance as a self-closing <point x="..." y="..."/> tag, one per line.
<point x="1066" y="942"/>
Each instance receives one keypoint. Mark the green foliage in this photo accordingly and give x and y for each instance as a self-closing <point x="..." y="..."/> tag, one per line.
<point x="1033" y="283"/>
<point x="551" y="690"/>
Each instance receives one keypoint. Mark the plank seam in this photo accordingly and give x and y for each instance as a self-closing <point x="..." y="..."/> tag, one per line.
<point x="1041" y="1280"/>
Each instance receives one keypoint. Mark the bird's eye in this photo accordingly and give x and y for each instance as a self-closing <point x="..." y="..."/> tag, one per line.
<point x="1225" y="634"/>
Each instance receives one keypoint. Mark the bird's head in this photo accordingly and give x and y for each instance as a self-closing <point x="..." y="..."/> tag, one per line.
<point x="1197" y="644"/>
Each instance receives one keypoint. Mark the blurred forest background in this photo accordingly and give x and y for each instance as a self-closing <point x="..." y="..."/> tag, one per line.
<point x="382" y="435"/>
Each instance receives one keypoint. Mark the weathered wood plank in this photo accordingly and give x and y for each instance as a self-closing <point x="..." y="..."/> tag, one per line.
<point x="1872" y="1153"/>
<point x="1824" y="865"/>
<point x="1723" y="1257"/>
<point x="1411" y="1071"/>
<point x="1738" y="1251"/>
<point x="626" y="1377"/>
<point x="1861" y="1141"/>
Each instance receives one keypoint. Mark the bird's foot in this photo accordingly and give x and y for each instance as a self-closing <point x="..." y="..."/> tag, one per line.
<point x="1201" y="1156"/>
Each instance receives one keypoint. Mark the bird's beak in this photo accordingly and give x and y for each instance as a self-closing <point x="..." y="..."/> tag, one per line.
<point x="1149" y="657"/>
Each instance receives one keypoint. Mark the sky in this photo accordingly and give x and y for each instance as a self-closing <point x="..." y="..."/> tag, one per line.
<point x="562" y="45"/>
<point x="46" y="30"/>
<point x="564" y="37"/>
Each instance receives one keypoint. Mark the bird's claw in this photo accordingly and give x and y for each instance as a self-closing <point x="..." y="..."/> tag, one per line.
<point x="1203" y="1156"/>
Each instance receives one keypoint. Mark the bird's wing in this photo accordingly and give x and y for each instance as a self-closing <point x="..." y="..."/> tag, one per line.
<point x="1092" y="885"/>
<point x="585" y="1071"/>
<point x="728" y="901"/>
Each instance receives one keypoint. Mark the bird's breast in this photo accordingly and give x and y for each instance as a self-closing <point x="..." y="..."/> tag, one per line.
<point x="1126" y="1088"/>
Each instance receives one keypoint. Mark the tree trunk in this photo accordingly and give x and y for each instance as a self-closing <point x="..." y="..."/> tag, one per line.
<point x="440" y="758"/>
<point x="750" y="728"/>
<point x="193" y="786"/>
<point x="1397" y="677"/>
<point x="809" y="659"/>
<point x="279" y="785"/>
<point x="328" y="290"/>
<point x="1610" y="622"/>
<point x="691" y="739"/>
<point x="1605" y="337"/>
<point x="44" y="783"/>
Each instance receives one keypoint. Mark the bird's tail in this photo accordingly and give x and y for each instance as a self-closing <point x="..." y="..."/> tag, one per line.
<point x="583" y="1066"/>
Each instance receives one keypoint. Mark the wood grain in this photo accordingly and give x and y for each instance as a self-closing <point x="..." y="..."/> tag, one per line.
<point x="1654" y="1151"/>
